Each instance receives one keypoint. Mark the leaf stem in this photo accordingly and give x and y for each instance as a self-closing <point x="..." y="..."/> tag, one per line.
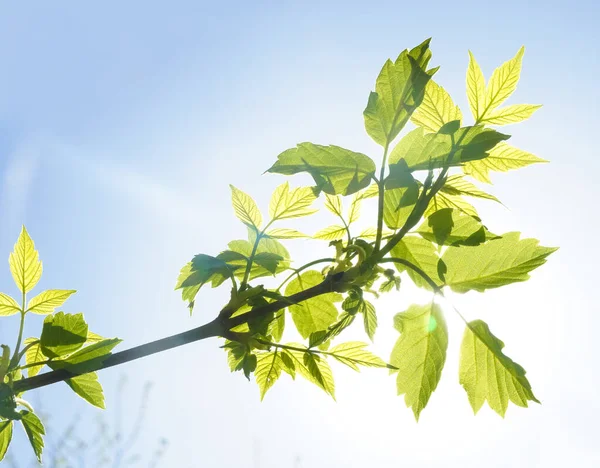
<point x="304" y="267"/>
<point x="16" y="357"/>
<point x="381" y="183"/>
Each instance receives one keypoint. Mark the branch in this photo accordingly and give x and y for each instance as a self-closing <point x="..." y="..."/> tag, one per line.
<point x="218" y="327"/>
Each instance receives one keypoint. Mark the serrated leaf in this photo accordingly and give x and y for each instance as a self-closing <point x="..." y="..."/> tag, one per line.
<point x="370" y="192"/>
<point x="436" y="110"/>
<point x="443" y="200"/>
<point x="268" y="370"/>
<point x="399" y="90"/>
<point x="202" y="269"/>
<point x="421" y="253"/>
<point x="486" y="373"/>
<point x="87" y="357"/>
<point x="398" y="203"/>
<point x="419" y="354"/>
<point x="457" y="185"/>
<point x="475" y="88"/>
<point x="47" y="301"/>
<point x="354" y="354"/>
<point x="277" y="326"/>
<point x="240" y="250"/>
<point x="502" y="158"/>
<point x="6" y="430"/>
<point x="245" y="208"/>
<point x="451" y="227"/>
<point x="268" y="260"/>
<point x="88" y="387"/>
<point x="493" y="264"/>
<point x="35" y="431"/>
<point x="321" y="372"/>
<point x="333" y="232"/>
<point x="32" y="355"/>
<point x="63" y="334"/>
<point x="316" y="313"/>
<point x="8" y="306"/>
<point x="322" y="336"/>
<point x="511" y="114"/>
<point x="93" y="337"/>
<point x="369" y="319"/>
<point x="354" y="210"/>
<point x="25" y="266"/>
<point x="287" y="204"/>
<point x="503" y="81"/>
<point x="334" y="204"/>
<point x="284" y="233"/>
<point x="335" y="170"/>
<point x="424" y="151"/>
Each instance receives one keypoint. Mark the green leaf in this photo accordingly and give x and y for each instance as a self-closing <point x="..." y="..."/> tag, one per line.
<point x="319" y="369"/>
<point x="369" y="319"/>
<point x="424" y="151"/>
<point x="503" y="81"/>
<point x="46" y="302"/>
<point x="486" y="373"/>
<point x="451" y="227"/>
<point x="399" y="90"/>
<point x="354" y="210"/>
<point x="25" y="265"/>
<point x="268" y="260"/>
<point x="511" y="114"/>
<point x="443" y="200"/>
<point x="240" y="251"/>
<point x="436" y="110"/>
<point x="322" y="336"/>
<point x="334" y="204"/>
<point x="268" y="370"/>
<point x="245" y="208"/>
<point x="32" y="355"/>
<point x="475" y="88"/>
<point x="458" y="185"/>
<point x="87" y="357"/>
<point x="284" y="233"/>
<point x="398" y="203"/>
<point x="93" y="337"/>
<point x="198" y="272"/>
<point x="421" y="253"/>
<point x="335" y="170"/>
<point x="354" y="354"/>
<point x="502" y="158"/>
<point x="63" y="334"/>
<point x="6" y="429"/>
<point x="291" y="204"/>
<point x="8" y="306"/>
<point x="333" y="232"/>
<point x="316" y="313"/>
<point x="88" y="387"/>
<point x="420" y="353"/>
<point x="493" y="264"/>
<point x="35" y="432"/>
<point x="277" y="326"/>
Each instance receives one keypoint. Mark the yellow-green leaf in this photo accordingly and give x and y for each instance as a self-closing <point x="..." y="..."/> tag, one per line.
<point x="502" y="158"/>
<point x="354" y="354"/>
<point x="445" y="200"/>
<point x="284" y="233"/>
<point x="436" y="109"/>
<point x="32" y="355"/>
<point x="8" y="306"/>
<point x="25" y="266"/>
<point x="245" y="208"/>
<point x="511" y="114"/>
<point x="486" y="373"/>
<point x="503" y="82"/>
<point x="6" y="429"/>
<point x="421" y="253"/>
<point x="333" y="232"/>
<point x="46" y="302"/>
<point x="35" y="432"/>
<point x="354" y="210"/>
<point x="457" y="185"/>
<point x="295" y="203"/>
<point x="334" y="204"/>
<point x="316" y="313"/>
<point x="268" y="370"/>
<point x="88" y="387"/>
<point x="419" y="353"/>
<point x="475" y="88"/>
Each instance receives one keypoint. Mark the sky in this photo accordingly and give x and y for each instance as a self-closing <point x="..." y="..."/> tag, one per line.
<point x="122" y="124"/>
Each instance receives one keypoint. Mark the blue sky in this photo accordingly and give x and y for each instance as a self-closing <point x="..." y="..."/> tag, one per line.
<point x="122" y="124"/>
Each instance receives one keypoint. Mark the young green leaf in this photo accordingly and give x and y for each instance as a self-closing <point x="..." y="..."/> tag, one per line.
<point x="333" y="232"/>
<point x="475" y="88"/>
<point x="198" y="272"/>
<point x="502" y="158"/>
<point x="240" y="251"/>
<point x="369" y="319"/>
<point x="277" y="326"/>
<point x="291" y="204"/>
<point x="316" y="313"/>
<point x="6" y="428"/>
<point x="88" y="387"/>
<point x="245" y="208"/>
<point x="458" y="185"/>
<point x="421" y="253"/>
<point x="88" y="356"/>
<point x="398" y="203"/>
<point x="269" y="261"/>
<point x="503" y="81"/>
<point x="436" y="110"/>
<point x="451" y="227"/>
<point x="399" y="90"/>
<point x="335" y="170"/>
<point x="511" y="114"/>
<point x="25" y="266"/>
<point x="8" y="306"/>
<point x="419" y="353"/>
<point x="284" y="233"/>
<point x="268" y="370"/>
<point x="35" y="432"/>
<point x="47" y="301"/>
<point x="443" y="200"/>
<point x="486" y="373"/>
<point x="32" y="355"/>
<point x="354" y="354"/>
<point x="319" y="369"/>
<point x="63" y="334"/>
<point x="493" y="264"/>
<point x="354" y="210"/>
